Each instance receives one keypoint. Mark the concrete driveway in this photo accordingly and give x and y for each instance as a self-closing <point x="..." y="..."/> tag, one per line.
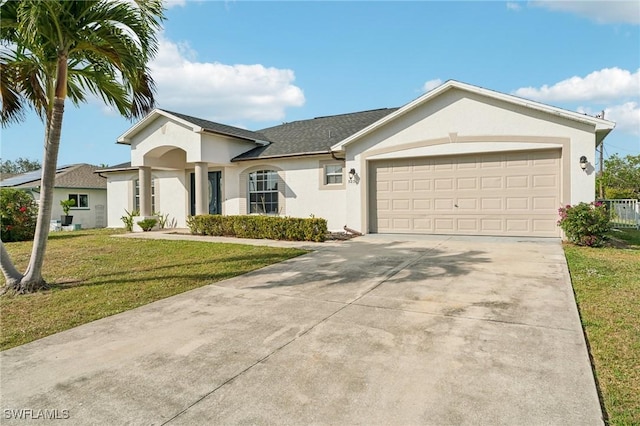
<point x="378" y="330"/>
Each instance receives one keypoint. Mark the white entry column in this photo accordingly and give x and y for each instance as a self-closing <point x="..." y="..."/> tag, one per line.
<point x="202" y="188"/>
<point x="144" y="176"/>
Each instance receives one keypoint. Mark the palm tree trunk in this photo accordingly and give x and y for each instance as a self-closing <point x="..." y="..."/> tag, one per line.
<point x="11" y="275"/>
<point x="32" y="279"/>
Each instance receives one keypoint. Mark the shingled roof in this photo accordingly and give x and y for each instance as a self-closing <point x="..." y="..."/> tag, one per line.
<point x="313" y="136"/>
<point x="219" y="128"/>
<point x="73" y="176"/>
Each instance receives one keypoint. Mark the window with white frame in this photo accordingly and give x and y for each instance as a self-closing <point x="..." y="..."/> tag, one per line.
<point x="263" y="192"/>
<point x="81" y="201"/>
<point x="137" y="196"/>
<point x="333" y="174"/>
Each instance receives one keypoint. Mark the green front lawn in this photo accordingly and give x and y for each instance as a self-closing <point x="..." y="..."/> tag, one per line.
<point x="606" y="282"/>
<point x="94" y="275"/>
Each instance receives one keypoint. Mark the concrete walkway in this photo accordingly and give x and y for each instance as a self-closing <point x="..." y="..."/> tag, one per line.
<point x="379" y="330"/>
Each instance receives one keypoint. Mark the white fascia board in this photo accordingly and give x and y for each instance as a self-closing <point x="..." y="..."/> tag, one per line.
<point x="598" y="123"/>
<point x="125" y="138"/>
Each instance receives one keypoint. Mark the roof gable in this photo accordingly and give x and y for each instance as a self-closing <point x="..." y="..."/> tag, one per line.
<point x="602" y="127"/>
<point x="197" y="125"/>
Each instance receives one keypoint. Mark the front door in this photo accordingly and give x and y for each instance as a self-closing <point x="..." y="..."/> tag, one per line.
<point x="215" y="202"/>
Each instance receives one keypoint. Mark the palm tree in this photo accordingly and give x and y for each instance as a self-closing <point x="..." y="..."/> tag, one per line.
<point x="58" y="49"/>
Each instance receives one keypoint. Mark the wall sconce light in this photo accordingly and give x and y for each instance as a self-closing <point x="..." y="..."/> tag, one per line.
<point x="352" y="174"/>
<point x="583" y="162"/>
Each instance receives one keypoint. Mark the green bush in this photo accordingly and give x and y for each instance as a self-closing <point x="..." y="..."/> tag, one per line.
<point x="585" y="224"/>
<point x="147" y="224"/>
<point x="18" y="214"/>
<point x="618" y="194"/>
<point x="128" y="219"/>
<point x="261" y="227"/>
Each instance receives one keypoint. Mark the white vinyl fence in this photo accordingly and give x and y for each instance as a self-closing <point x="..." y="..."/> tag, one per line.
<point x="624" y="213"/>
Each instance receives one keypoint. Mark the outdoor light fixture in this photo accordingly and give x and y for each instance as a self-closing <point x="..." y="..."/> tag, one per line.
<point x="352" y="174"/>
<point x="583" y="162"/>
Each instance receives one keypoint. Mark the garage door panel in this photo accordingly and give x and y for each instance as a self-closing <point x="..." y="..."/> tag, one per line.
<point x="517" y="203"/>
<point x="421" y="204"/>
<point x="517" y="225"/>
<point x="544" y="203"/>
<point x="467" y="204"/>
<point x="401" y="205"/>
<point x="400" y="185"/>
<point x="445" y="204"/>
<point x="517" y="182"/>
<point x="467" y="183"/>
<point x="469" y="225"/>
<point x="488" y="204"/>
<point x="545" y="181"/>
<point x="491" y="182"/>
<point x="422" y="185"/>
<point x="443" y="184"/>
<point x="544" y="225"/>
<point x="443" y="225"/>
<point x="491" y="226"/>
<point x="422" y="225"/>
<point x="492" y="194"/>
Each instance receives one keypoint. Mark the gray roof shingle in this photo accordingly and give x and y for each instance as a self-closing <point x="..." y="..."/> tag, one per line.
<point x="73" y="176"/>
<point x="316" y="135"/>
<point x="220" y="128"/>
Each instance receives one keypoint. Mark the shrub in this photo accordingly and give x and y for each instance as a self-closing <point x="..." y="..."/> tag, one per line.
<point x="147" y="224"/>
<point x="18" y="214"/>
<point x="585" y="224"/>
<point x="617" y="194"/>
<point x="66" y="205"/>
<point x="128" y="219"/>
<point x="262" y="227"/>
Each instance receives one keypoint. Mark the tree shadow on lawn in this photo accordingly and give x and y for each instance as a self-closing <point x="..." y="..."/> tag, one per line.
<point x="64" y="236"/>
<point x="125" y="276"/>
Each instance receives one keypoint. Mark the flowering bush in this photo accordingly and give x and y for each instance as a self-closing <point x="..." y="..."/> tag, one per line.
<point x="18" y="213"/>
<point x="585" y="224"/>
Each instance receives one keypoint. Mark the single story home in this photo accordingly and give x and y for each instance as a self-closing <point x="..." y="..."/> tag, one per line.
<point x="78" y="182"/>
<point x="460" y="159"/>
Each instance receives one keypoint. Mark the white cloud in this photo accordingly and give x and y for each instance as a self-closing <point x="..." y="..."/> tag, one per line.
<point x="626" y="116"/>
<point x="431" y="84"/>
<point x="599" y="11"/>
<point x="614" y="90"/>
<point x="511" y="5"/>
<point x="173" y="3"/>
<point x="604" y="85"/>
<point x="221" y="92"/>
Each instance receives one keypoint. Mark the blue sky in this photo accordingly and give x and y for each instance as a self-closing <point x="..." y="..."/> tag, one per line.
<point x="258" y="64"/>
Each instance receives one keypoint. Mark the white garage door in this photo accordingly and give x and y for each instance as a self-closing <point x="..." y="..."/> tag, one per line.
<point x="514" y="193"/>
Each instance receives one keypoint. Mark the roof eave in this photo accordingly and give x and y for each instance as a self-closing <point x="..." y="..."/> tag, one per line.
<point x="270" y="157"/>
<point x="217" y="132"/>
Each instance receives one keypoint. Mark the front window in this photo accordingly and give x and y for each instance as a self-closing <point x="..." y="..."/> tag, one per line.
<point x="333" y="174"/>
<point x="263" y="192"/>
<point x="82" y="201"/>
<point x="153" y="196"/>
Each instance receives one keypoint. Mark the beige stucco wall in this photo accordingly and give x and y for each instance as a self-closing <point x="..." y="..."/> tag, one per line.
<point x="303" y="194"/>
<point x="301" y="191"/>
<point x="168" y="144"/>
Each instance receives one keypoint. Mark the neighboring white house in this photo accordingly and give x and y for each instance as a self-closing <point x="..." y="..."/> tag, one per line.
<point x="78" y="182"/>
<point x="458" y="160"/>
